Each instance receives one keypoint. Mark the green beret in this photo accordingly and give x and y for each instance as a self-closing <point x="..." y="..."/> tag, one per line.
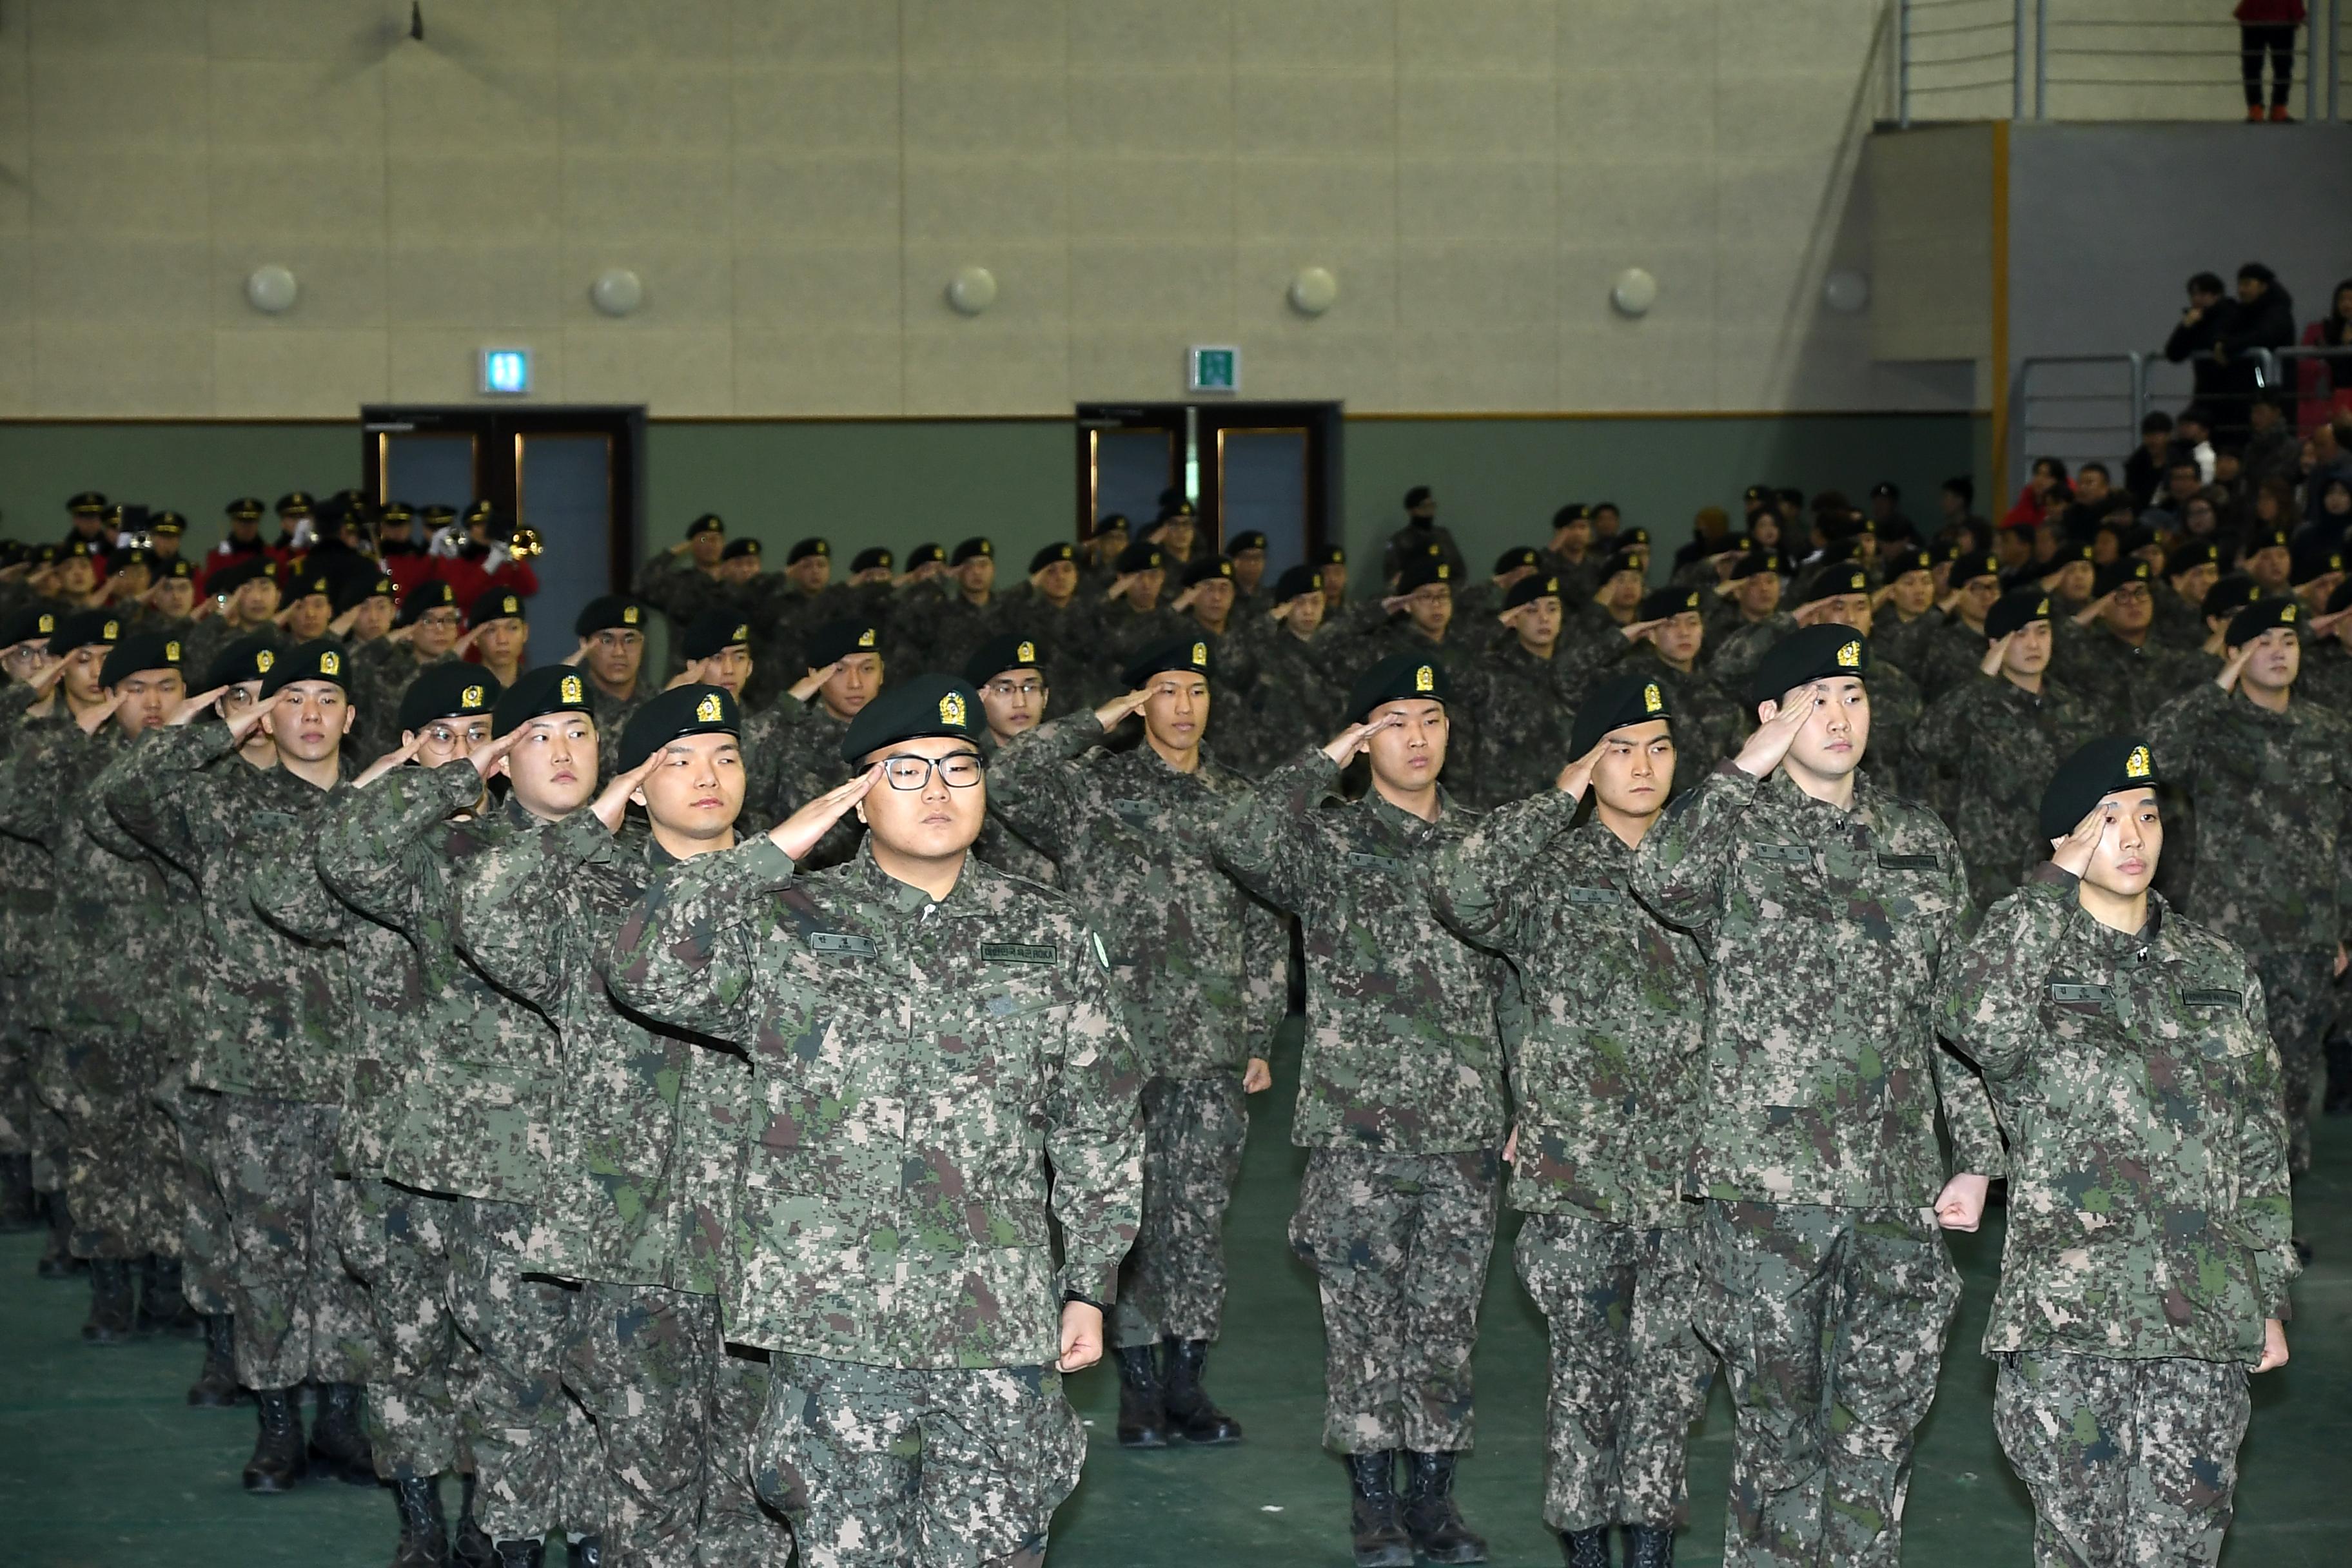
<point x="1010" y="651"/>
<point x="1247" y="539"/>
<point x="737" y="549"/>
<point x="1529" y="589"/>
<point x="2261" y="616"/>
<point x="609" y="612"/>
<point x="923" y="555"/>
<point x="973" y="549"/>
<point x="247" y="658"/>
<point x="1140" y="556"/>
<point x="1400" y="677"/>
<point x="497" y="605"/>
<point x="1423" y="569"/>
<point x="2098" y="768"/>
<point x="1297" y="583"/>
<point x="805" y="549"/>
<point x="1188" y="654"/>
<point x="2188" y="557"/>
<point x="1052" y="553"/>
<point x="451" y="689"/>
<point x="681" y="712"/>
<point x="1511" y="560"/>
<point x="2123" y="569"/>
<point x="2229" y="595"/>
<point x="425" y="598"/>
<point x="1327" y="555"/>
<point x="229" y="579"/>
<point x="84" y="628"/>
<point x="709" y="523"/>
<point x="321" y="659"/>
<point x="359" y="587"/>
<point x="145" y="650"/>
<point x="927" y="706"/>
<point x="839" y="639"/>
<point x="2314" y="561"/>
<point x="1664" y="604"/>
<point x="1834" y="581"/>
<point x="536" y="693"/>
<point x="1967" y="569"/>
<point x="301" y="582"/>
<point x="1756" y="563"/>
<point x="872" y="559"/>
<point x="1809" y="654"/>
<point x="28" y="623"/>
<point x="713" y="633"/>
<point x="1903" y="563"/>
<point x="2016" y="610"/>
<point x="1208" y="567"/>
<point x="1612" y="705"/>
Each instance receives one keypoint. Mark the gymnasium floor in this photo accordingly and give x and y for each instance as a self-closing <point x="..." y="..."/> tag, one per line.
<point x="102" y="1466"/>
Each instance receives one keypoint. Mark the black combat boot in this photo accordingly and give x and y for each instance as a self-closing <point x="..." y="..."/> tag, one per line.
<point x="1142" y="1418"/>
<point x="1378" y="1536"/>
<point x="110" y="1310"/>
<point x="1647" y="1546"/>
<point x="162" y="1306"/>
<point x="58" y="1261"/>
<point x="1430" y="1514"/>
<point x="215" y="1387"/>
<point x="277" y="1462"/>
<point x="1585" y="1548"/>
<point x="2338" y="1052"/>
<point x="588" y="1552"/>
<point x="339" y="1445"/>
<point x="1192" y="1413"/>
<point x="20" y="1207"/>
<point x="423" y="1529"/>
<point x="470" y="1547"/>
<point x="521" y="1554"/>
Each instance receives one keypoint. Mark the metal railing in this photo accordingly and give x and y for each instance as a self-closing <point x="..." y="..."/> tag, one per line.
<point x="2100" y="59"/>
<point x="2085" y="407"/>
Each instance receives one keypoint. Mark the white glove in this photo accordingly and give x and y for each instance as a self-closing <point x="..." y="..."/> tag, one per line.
<point x="446" y="539"/>
<point x="498" y="556"/>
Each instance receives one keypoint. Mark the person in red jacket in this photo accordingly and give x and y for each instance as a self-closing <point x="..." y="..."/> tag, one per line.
<point x="484" y="562"/>
<point x="2325" y="384"/>
<point x="2267" y="26"/>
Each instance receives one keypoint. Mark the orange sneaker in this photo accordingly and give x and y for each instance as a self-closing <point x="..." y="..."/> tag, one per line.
<point x="2253" y="114"/>
<point x="2279" y="116"/>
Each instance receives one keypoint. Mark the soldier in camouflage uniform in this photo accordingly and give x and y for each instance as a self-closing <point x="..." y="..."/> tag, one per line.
<point x="686" y="584"/>
<point x="1757" y="581"/>
<point x="1203" y="967"/>
<point x="2111" y="653"/>
<point x="2147" y="1258"/>
<point x="967" y="614"/>
<point x="273" y="1007"/>
<point x="1839" y="593"/>
<point x="428" y="633"/>
<point x="795" y="755"/>
<point x="1479" y="606"/>
<point x="28" y="903"/>
<point x="1824" y="907"/>
<point x="1010" y="674"/>
<point x="925" y="1034"/>
<point x="1399" y="1099"/>
<point x="2267" y="775"/>
<point x="1703" y="718"/>
<point x="1526" y="687"/>
<point x="1995" y="738"/>
<point x="1905" y="607"/>
<point x="612" y="633"/>
<point x="374" y="883"/>
<point x="1948" y="656"/>
<point x="1605" y="1083"/>
<point x="2191" y="569"/>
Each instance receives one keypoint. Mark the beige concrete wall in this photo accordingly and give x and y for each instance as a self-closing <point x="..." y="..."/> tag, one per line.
<point x="1931" y="232"/>
<point x="797" y="180"/>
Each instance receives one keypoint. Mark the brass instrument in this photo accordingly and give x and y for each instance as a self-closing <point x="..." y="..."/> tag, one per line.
<point x="526" y="543"/>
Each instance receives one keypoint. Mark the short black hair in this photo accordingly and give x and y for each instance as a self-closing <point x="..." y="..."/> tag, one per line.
<point x="2207" y="283"/>
<point x="2199" y="413"/>
<point x="2098" y="468"/>
<point x="2157" y="421"/>
<point x="2258" y="272"/>
<point x="2191" y="464"/>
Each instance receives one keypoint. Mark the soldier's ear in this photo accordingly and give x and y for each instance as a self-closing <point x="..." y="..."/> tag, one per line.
<point x="1766" y="710"/>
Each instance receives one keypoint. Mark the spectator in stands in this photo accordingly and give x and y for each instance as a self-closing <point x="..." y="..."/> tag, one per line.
<point x="2272" y="450"/>
<point x="2092" y="489"/>
<point x="2267" y="26"/>
<point x="2275" y="510"/>
<point x="2327" y="383"/>
<point x="2192" y="437"/>
<point x="2264" y="319"/>
<point x="2331" y="514"/>
<point x="2200" y="326"/>
<point x="2331" y="451"/>
<point x="2144" y="469"/>
<point x="1957" y="526"/>
<point x="2033" y="500"/>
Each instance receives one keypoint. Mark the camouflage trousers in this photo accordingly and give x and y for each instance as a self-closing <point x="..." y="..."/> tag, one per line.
<point x="2296" y="996"/>
<point x="943" y="1468"/>
<point x="205" y="1253"/>
<point x="120" y="1158"/>
<point x="1398" y="1243"/>
<point x="738" y="1531"/>
<point x="640" y="1361"/>
<point x="301" y="1316"/>
<point x="45" y="1130"/>
<point x="535" y="1462"/>
<point x="1173" y="1282"/>
<point x="2131" y="1463"/>
<point x="1831" y="1325"/>
<point x="16" y="1078"/>
<point x="397" y="1242"/>
<point x="1628" y="1374"/>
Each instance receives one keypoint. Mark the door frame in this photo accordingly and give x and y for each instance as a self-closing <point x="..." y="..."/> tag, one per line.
<point x="497" y="455"/>
<point x="1198" y="426"/>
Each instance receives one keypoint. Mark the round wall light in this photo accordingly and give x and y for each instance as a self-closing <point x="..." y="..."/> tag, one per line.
<point x="616" y="291"/>
<point x="1314" y="291"/>
<point x="1634" y="293"/>
<point x="1845" y="292"/>
<point x="972" y="291"/>
<point x="271" y="289"/>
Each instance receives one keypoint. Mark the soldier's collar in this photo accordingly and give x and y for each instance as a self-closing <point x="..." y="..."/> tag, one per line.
<point x="1405" y="822"/>
<point x="906" y="899"/>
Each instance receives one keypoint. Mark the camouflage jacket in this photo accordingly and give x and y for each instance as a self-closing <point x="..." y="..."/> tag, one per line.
<point x="1295" y="704"/>
<point x="951" y="629"/>
<point x="274" y="1004"/>
<point x="536" y="913"/>
<point x="1203" y="965"/>
<point x="29" y="887"/>
<point x="2121" y="684"/>
<point x="1824" y="932"/>
<point x="1742" y="647"/>
<point x="1402" y="1051"/>
<point x="792" y="755"/>
<point x="1007" y="850"/>
<point x="466" y="1074"/>
<point x="915" y="1069"/>
<point x="381" y="673"/>
<point x="1605" y="1081"/>
<point x="2273" y="870"/>
<point x="2325" y="677"/>
<point x="683" y="593"/>
<point x="612" y="715"/>
<point x="1998" y="744"/>
<point x="1526" y="706"/>
<point x="1704" y="719"/>
<point x="2149" y="1212"/>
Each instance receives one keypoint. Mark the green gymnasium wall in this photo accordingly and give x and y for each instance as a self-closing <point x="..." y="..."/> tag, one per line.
<point x="901" y="481"/>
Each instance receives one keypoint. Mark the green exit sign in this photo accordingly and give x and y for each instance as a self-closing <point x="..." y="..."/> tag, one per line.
<point x="1214" y="368"/>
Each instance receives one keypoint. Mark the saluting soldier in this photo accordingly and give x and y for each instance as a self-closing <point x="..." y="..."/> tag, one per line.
<point x="2110" y="651"/>
<point x="1993" y="738"/>
<point x="685" y="582"/>
<point x="2128" y="1056"/>
<point x="1132" y="618"/>
<point x="1756" y="581"/>
<point x="2191" y="569"/>
<point x="1824" y="907"/>
<point x="1605" y="1084"/>
<point x="1294" y="700"/>
<point x="1204" y="967"/>
<point x="612" y="632"/>
<point x="28" y="902"/>
<point x="846" y="671"/>
<point x="925" y="1034"/>
<point x="1009" y="673"/>
<point x="1949" y="654"/>
<point x="1400" y="1101"/>
<point x="426" y="634"/>
<point x="1670" y="631"/>
<point x="968" y="612"/>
